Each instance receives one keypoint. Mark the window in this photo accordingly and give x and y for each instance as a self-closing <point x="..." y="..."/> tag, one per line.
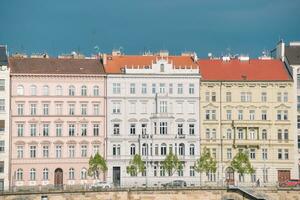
<point x="240" y="115"/>
<point x="252" y="134"/>
<point x="286" y="134"/>
<point x="192" y="149"/>
<point x="192" y="129"/>
<point x="20" y="108"/>
<point x="83" y="129"/>
<point x="191" y="88"/>
<point x="265" y="175"/>
<point x="163" y="149"/>
<point x="116" y="150"/>
<point x="116" y="88"/>
<point x="58" y="150"/>
<point x="96" y="129"/>
<point x="20" y="90"/>
<point x="240" y="134"/>
<point x="180" y="129"/>
<point x="83" y="109"/>
<point x="192" y="171"/>
<point x="279" y="98"/>
<point x="20" y="152"/>
<point x="153" y="88"/>
<point x="33" y="90"/>
<point x="264" y="134"/>
<point x="179" y="172"/>
<point x="59" y="90"/>
<point x="132" y="88"/>
<point x="32" y="174"/>
<point x="32" y="130"/>
<point x="162" y="68"/>
<point x="20" y="131"/>
<point x="83" y="174"/>
<point x="116" y="108"/>
<point x="161" y="171"/>
<point x="2" y="105"/>
<point x="264" y="154"/>
<point x="144" y="149"/>
<point x="263" y="97"/>
<point x="170" y="88"/>
<point x="71" y="109"/>
<point x="213" y="97"/>
<point x="132" y="129"/>
<point x="45" y="129"/>
<point x="181" y="149"/>
<point x="210" y="114"/>
<point x="19" y="175"/>
<point x="144" y="129"/>
<point x="253" y="177"/>
<point x="162" y="88"/>
<point x="286" y="154"/>
<point x="83" y="90"/>
<point x="280" y="156"/>
<point x="211" y="176"/>
<point x="71" y="151"/>
<point x="251" y="114"/>
<point x="2" y="126"/>
<point x="71" y="129"/>
<point x="71" y="174"/>
<point x="2" y="146"/>
<point x="71" y="90"/>
<point x="45" y="109"/>
<point x="228" y="96"/>
<point x="279" y="134"/>
<point x="45" y="151"/>
<point x="228" y="114"/>
<point x="163" y="128"/>
<point x="144" y="88"/>
<point x="33" y="109"/>
<point x="229" y="153"/>
<point x="132" y="149"/>
<point x="285" y="97"/>
<point x="32" y="151"/>
<point x="45" y="90"/>
<point x="58" y="109"/>
<point x="263" y="115"/>
<point x="229" y="135"/>
<point x="96" y="90"/>
<point x="180" y="88"/>
<point x="163" y="106"/>
<point x="58" y="130"/>
<point x="252" y="153"/>
<point x="116" y="129"/>
<point x="298" y="121"/>
<point x="45" y="174"/>
<point x="84" y="151"/>
<point x="2" y="84"/>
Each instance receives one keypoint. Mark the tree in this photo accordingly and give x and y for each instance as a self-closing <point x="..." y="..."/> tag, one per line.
<point x="172" y="164"/>
<point x="97" y="164"/>
<point x="206" y="163"/>
<point x="241" y="163"/>
<point x="136" y="166"/>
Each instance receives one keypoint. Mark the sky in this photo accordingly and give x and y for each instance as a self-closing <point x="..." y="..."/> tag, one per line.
<point x="219" y="27"/>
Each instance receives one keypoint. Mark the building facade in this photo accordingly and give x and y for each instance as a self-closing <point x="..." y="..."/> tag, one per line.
<point x="57" y="120"/>
<point x="247" y="105"/>
<point x="4" y="119"/>
<point x="152" y="110"/>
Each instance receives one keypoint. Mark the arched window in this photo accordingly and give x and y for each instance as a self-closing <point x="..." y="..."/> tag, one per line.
<point x="83" y="174"/>
<point x="96" y="90"/>
<point x="71" y="90"/>
<point x="229" y="134"/>
<point x="45" y="90"/>
<point x="163" y="149"/>
<point x="20" y="90"/>
<point x="32" y="174"/>
<point x="45" y="174"/>
<point x="264" y="134"/>
<point x="144" y="149"/>
<point x="33" y="90"/>
<point x="252" y="134"/>
<point x="181" y="149"/>
<point x="83" y="90"/>
<point x="71" y="174"/>
<point x="132" y="149"/>
<point x="192" y="149"/>
<point x="19" y="175"/>
<point x="58" y="90"/>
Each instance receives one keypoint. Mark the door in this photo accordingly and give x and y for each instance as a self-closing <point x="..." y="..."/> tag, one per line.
<point x="58" y="177"/>
<point x="116" y="176"/>
<point x="229" y="176"/>
<point x="283" y="175"/>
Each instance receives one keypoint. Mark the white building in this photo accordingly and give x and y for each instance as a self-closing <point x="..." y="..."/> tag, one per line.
<point x="152" y="109"/>
<point x="4" y="119"/>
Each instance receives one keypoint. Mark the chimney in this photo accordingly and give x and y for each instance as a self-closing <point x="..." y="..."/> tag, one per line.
<point x="104" y="59"/>
<point x="280" y="50"/>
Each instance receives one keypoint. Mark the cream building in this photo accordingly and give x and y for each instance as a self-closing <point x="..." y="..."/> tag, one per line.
<point x="247" y="104"/>
<point x="152" y="109"/>
<point x="4" y="119"/>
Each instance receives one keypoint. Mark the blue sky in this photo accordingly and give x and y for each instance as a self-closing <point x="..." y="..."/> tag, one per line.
<point x="217" y="26"/>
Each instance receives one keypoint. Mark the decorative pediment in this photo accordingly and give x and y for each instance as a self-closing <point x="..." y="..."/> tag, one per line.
<point x="45" y="142"/>
<point x="96" y="142"/>
<point x="58" y="142"/>
<point x="132" y="120"/>
<point x="144" y="120"/>
<point x="251" y="107"/>
<point x="19" y="142"/>
<point x="282" y="106"/>
<point x="240" y="107"/>
<point x="191" y="120"/>
<point x="210" y="105"/>
<point x="33" y="142"/>
<point x="83" y="142"/>
<point x="264" y="107"/>
<point x="71" y="142"/>
<point x="228" y="107"/>
<point x="116" y="120"/>
<point x="179" y="120"/>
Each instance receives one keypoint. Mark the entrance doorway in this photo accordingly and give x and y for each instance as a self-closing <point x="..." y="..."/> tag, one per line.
<point x="58" y="177"/>
<point x="283" y="175"/>
<point x="230" y="176"/>
<point x="116" y="176"/>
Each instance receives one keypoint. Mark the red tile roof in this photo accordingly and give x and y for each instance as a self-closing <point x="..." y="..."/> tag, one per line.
<point x="236" y="70"/>
<point x="116" y="63"/>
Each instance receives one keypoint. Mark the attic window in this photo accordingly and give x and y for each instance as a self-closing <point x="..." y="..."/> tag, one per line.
<point x="162" y="68"/>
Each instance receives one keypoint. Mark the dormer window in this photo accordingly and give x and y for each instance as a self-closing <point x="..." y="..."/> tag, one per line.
<point x="162" y="68"/>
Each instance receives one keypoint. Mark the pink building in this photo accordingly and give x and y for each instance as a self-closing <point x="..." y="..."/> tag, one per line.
<point x="57" y="119"/>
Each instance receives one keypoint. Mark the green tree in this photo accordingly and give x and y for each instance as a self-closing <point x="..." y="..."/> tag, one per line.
<point x="206" y="163"/>
<point x="97" y="164"/>
<point x="241" y="163"/>
<point x="172" y="164"/>
<point x="136" y="166"/>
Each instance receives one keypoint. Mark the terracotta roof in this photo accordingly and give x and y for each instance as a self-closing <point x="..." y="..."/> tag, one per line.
<point x="116" y="63"/>
<point x="55" y="66"/>
<point x="236" y="70"/>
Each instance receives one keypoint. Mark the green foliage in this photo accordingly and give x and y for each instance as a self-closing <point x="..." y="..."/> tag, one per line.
<point x="241" y="163"/>
<point x="172" y="164"/>
<point x="136" y="166"/>
<point x="97" y="164"/>
<point x="206" y="163"/>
